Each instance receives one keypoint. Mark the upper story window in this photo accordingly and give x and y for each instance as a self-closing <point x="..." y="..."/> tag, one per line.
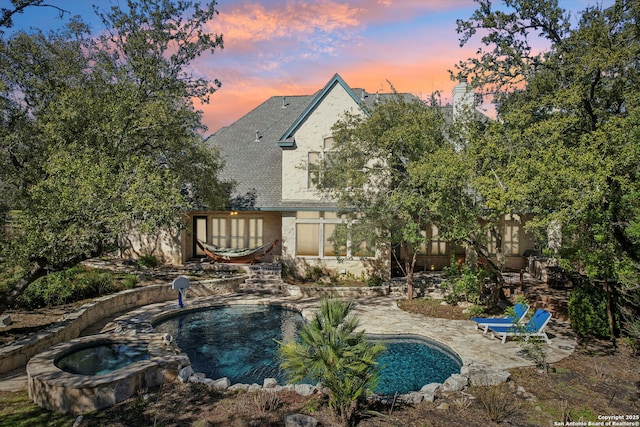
<point x="317" y="160"/>
<point x="435" y="246"/>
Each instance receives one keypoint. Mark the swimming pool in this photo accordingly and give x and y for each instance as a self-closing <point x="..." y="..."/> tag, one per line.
<point x="239" y="342"/>
<point x="101" y="359"/>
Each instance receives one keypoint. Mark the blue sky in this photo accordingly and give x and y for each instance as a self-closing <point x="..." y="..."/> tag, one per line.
<point x="292" y="47"/>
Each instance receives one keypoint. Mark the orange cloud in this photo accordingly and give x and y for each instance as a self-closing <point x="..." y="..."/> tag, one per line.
<point x="250" y="24"/>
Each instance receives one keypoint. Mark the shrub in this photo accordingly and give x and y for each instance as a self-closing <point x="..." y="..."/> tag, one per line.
<point x="496" y="401"/>
<point x="588" y="311"/>
<point x="129" y="281"/>
<point x="71" y="285"/>
<point x="331" y="350"/>
<point x="467" y="286"/>
<point x="148" y="260"/>
<point x="374" y="281"/>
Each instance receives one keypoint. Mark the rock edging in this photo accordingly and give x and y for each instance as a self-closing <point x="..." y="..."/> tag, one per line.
<point x="17" y="354"/>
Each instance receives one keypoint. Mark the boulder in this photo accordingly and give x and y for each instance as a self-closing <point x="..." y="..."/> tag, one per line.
<point x="220" y="384"/>
<point x="185" y="373"/>
<point x="239" y="387"/>
<point x="5" y="320"/>
<point x="455" y="382"/>
<point x="414" y="397"/>
<point x="299" y="420"/>
<point x="431" y="388"/>
<point x="484" y="375"/>
<point x="304" y="389"/>
<point x="269" y="383"/>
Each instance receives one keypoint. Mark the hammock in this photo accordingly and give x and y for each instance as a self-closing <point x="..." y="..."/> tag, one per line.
<point x="236" y="256"/>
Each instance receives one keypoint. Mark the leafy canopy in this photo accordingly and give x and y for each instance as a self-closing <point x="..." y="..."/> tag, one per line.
<point x="100" y="134"/>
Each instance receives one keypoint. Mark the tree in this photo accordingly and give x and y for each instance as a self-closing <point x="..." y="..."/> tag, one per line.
<point x="332" y="351"/>
<point x="372" y="174"/>
<point x="100" y="136"/>
<point x="18" y="6"/>
<point x="567" y="131"/>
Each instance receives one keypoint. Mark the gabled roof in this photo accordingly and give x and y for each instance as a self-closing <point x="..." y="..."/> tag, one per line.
<point x="255" y="164"/>
<point x="286" y="140"/>
<point x="251" y="147"/>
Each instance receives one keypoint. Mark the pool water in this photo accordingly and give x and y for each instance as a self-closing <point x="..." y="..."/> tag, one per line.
<point x="410" y="362"/>
<point x="102" y="359"/>
<point x="239" y="342"/>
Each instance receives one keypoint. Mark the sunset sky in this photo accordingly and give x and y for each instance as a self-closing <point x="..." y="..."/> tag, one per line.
<point x="293" y="47"/>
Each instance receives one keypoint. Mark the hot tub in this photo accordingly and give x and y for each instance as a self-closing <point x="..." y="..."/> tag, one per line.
<point x="106" y="382"/>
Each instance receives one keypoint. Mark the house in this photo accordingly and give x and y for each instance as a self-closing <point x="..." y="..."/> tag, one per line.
<point x="269" y="153"/>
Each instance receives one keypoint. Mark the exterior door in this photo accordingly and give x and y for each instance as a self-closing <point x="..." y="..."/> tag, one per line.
<point x="200" y="232"/>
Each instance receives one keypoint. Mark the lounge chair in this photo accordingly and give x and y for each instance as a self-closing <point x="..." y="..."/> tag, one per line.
<point x="519" y="311"/>
<point x="533" y="328"/>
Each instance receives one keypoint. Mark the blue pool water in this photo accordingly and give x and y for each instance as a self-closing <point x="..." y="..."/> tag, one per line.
<point x="102" y="359"/>
<point x="409" y="362"/>
<point x="239" y="342"/>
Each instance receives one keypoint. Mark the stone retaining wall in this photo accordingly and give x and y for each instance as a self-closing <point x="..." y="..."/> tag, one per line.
<point x="17" y="354"/>
<point x="341" y="291"/>
<point x="54" y="389"/>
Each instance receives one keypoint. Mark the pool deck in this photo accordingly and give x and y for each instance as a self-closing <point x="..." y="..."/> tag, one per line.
<point x="379" y="315"/>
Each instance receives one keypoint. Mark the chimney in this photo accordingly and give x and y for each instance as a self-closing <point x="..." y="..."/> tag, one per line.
<point x="463" y="99"/>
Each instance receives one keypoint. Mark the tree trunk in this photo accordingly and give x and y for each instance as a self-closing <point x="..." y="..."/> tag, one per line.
<point x="613" y="332"/>
<point x="409" y="265"/>
<point x="7" y="298"/>
<point x="496" y="288"/>
<point x="39" y="268"/>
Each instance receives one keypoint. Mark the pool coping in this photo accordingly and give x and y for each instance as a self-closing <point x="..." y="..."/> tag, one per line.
<point x="481" y="356"/>
<point x="58" y="390"/>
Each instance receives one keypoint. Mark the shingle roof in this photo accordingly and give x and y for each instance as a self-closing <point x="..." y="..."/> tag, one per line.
<point x="256" y="164"/>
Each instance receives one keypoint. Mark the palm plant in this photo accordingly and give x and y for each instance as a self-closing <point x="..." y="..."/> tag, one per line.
<point x="331" y="351"/>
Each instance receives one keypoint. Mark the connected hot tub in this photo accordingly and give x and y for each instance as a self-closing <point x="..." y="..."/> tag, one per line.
<point x="98" y="371"/>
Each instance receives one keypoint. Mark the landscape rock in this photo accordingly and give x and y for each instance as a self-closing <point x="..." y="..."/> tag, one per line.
<point x="429" y="397"/>
<point x="269" y="383"/>
<point x="185" y="373"/>
<point x="304" y="389"/>
<point x="220" y="384"/>
<point x="5" y="320"/>
<point x="255" y="387"/>
<point x="238" y="387"/>
<point x="484" y="375"/>
<point x="444" y="406"/>
<point x="299" y="420"/>
<point x="414" y="397"/>
<point x="455" y="382"/>
<point x="431" y="388"/>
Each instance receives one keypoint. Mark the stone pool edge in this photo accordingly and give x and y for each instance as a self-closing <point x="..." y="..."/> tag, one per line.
<point x="142" y="321"/>
<point x="52" y="388"/>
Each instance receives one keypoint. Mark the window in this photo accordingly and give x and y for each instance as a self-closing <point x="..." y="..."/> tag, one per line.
<point x="236" y="237"/>
<point x="314" y="168"/>
<point x="511" y="241"/>
<point x="316" y="159"/>
<point x="313" y="235"/>
<point x="329" y="249"/>
<point x="435" y="245"/>
<point x="219" y="232"/>
<point x="491" y="243"/>
<point x="307" y="239"/>
<point x="230" y="232"/>
<point x="255" y="232"/>
<point x="200" y="233"/>
<point x="438" y="247"/>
